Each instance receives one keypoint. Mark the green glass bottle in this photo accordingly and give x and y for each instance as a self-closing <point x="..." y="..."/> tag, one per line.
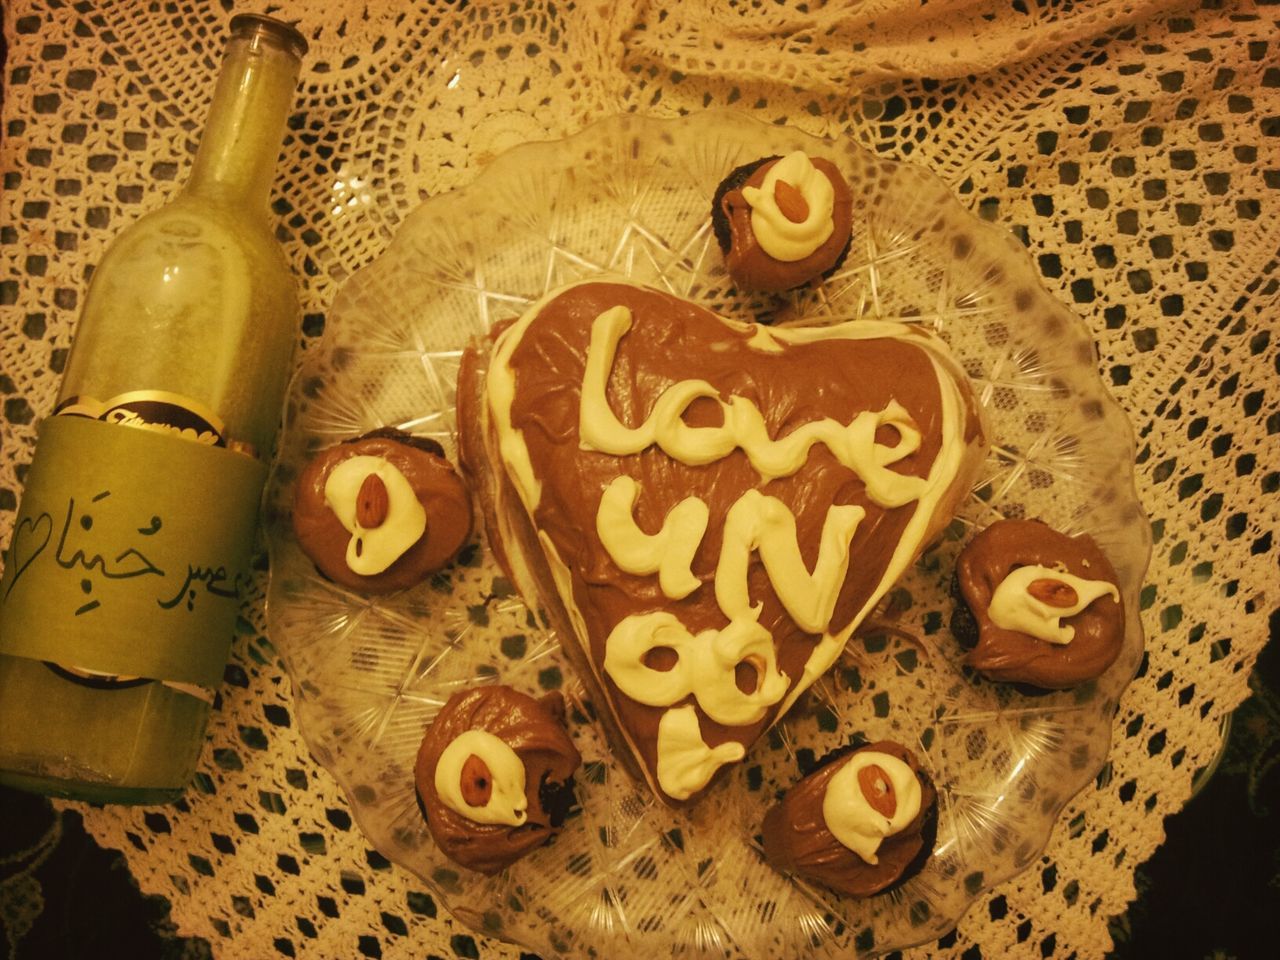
<point x="128" y="559"/>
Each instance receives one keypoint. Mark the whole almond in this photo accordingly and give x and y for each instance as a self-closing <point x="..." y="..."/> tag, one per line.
<point x="1053" y="592"/>
<point x="477" y="782"/>
<point x="791" y="202"/>
<point x="878" y="789"/>
<point x="372" y="502"/>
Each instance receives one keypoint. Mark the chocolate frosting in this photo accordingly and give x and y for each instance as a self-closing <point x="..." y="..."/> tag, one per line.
<point x="796" y="838"/>
<point x="1016" y="657"/>
<point x="749" y="265"/>
<point x="438" y="487"/>
<point x="671" y="340"/>
<point x="534" y="729"/>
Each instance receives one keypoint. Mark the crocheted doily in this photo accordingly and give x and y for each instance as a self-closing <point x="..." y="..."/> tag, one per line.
<point x="1130" y="146"/>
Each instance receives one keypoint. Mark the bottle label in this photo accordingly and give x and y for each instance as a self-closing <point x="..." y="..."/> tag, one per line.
<point x="112" y="681"/>
<point x="98" y="681"/>
<point x="129" y="555"/>
<point x="157" y="410"/>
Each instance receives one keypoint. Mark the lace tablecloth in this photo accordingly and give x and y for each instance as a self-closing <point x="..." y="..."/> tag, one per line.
<point x="1134" y="147"/>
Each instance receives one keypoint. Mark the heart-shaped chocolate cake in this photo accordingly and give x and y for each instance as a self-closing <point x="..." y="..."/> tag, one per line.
<point x="706" y="508"/>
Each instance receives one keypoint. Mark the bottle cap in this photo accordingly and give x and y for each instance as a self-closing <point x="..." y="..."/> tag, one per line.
<point x="255" y="24"/>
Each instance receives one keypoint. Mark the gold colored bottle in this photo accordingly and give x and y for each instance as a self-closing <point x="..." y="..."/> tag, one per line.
<point x="128" y="560"/>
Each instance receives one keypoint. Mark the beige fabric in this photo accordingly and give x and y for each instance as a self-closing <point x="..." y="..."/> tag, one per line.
<point x="842" y="48"/>
<point x="1131" y="146"/>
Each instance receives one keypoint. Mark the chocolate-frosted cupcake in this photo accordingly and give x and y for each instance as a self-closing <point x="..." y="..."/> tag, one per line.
<point x="494" y="775"/>
<point x="381" y="512"/>
<point x="783" y="221"/>
<point x="863" y="822"/>
<point x="1036" y="606"/>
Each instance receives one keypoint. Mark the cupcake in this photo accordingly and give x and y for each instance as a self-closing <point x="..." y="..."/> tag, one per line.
<point x="862" y="823"/>
<point x="382" y="512"/>
<point x="1036" y="607"/>
<point x="782" y="222"/>
<point x="494" y="775"/>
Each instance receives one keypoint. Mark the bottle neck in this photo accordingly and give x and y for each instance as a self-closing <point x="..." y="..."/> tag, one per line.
<point x="241" y="142"/>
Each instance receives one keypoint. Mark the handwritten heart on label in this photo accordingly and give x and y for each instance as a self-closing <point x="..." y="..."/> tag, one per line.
<point x="30" y="537"/>
<point x="715" y="505"/>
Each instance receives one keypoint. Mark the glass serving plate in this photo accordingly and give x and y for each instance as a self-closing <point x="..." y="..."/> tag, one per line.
<point x="629" y="877"/>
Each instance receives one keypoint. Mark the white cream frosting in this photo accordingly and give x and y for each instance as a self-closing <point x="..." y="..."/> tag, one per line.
<point x="743" y="428"/>
<point x="852" y="819"/>
<point x="563" y="578"/>
<point x="758" y="522"/>
<point x="507" y="801"/>
<point x="1013" y="608"/>
<point x="372" y="549"/>
<point x="668" y="553"/>
<point x="705" y="667"/>
<point x="779" y="236"/>
<point x="945" y="466"/>
<point x="500" y="390"/>
<point x="685" y="763"/>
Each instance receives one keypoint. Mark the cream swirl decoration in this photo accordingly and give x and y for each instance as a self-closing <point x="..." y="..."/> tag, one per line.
<point x="1014" y="607"/>
<point x="778" y="235"/>
<point x="849" y="813"/>
<point x="758" y="522"/>
<point x="668" y="553"/>
<point x="507" y="803"/>
<point x="706" y="666"/>
<point x="372" y="549"/>
<point x="743" y="427"/>
<point x="707" y="662"/>
<point x="685" y="762"/>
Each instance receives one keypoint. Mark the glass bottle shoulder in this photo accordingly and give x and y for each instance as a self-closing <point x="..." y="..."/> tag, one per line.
<point x="194" y="299"/>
